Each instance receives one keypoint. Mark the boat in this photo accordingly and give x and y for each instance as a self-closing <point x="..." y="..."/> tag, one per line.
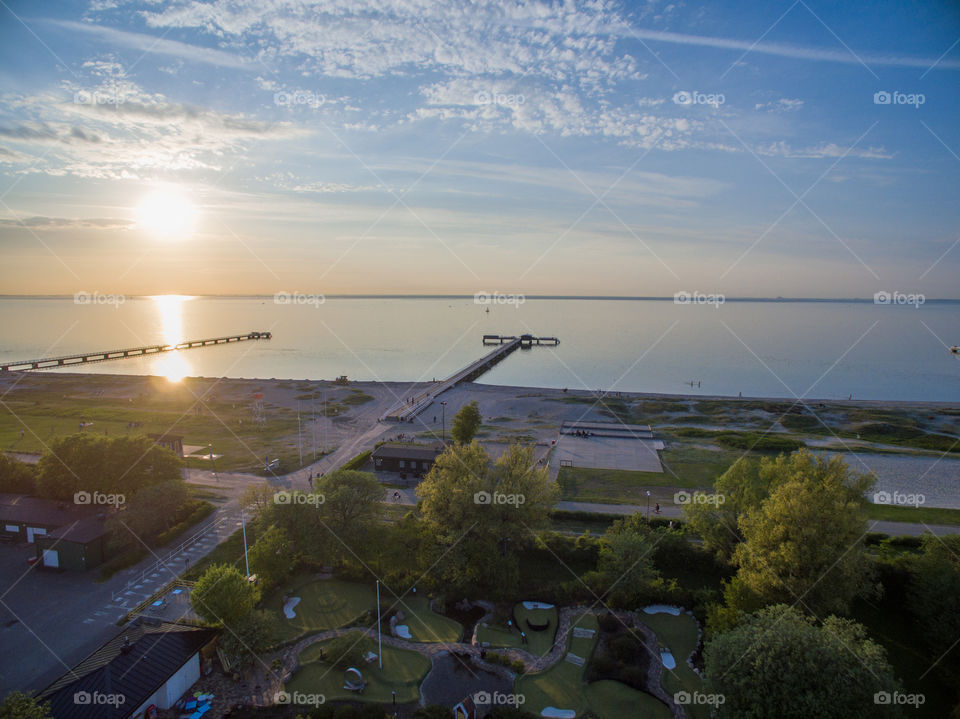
<point x="488" y="312"/>
<point x="955" y="349"/>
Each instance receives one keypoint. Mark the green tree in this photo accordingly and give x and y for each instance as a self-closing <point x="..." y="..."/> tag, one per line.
<point x="480" y="514"/>
<point x="933" y="594"/>
<point x="223" y="596"/>
<point x="152" y="510"/>
<point x="780" y="664"/>
<point x="351" y="506"/>
<point x="17" y="705"/>
<point x="16" y="477"/>
<point x="244" y="639"/>
<point x="92" y="463"/>
<point x="271" y="557"/>
<point x="298" y="515"/>
<point x="625" y="563"/>
<point x="804" y="543"/>
<point x="738" y="490"/>
<point x="466" y="422"/>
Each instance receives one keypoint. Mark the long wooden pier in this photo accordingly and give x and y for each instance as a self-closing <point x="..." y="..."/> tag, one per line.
<point x="410" y="407"/>
<point x="91" y="357"/>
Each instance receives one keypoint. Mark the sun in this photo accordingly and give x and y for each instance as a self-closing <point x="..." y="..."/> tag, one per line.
<point x="167" y="214"/>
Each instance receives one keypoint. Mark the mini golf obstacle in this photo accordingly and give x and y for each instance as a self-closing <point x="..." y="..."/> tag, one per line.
<point x="353" y="680"/>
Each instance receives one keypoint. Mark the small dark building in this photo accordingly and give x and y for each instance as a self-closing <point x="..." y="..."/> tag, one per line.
<point x="411" y="459"/>
<point x="24" y="519"/>
<point x="172" y="442"/>
<point x="78" y="546"/>
<point x="144" y="669"/>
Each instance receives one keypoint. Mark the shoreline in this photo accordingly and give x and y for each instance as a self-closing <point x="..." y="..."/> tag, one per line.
<point x="560" y="393"/>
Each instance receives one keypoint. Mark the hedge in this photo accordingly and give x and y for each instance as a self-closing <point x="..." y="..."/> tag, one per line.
<point x="357" y="462"/>
<point x="202" y="510"/>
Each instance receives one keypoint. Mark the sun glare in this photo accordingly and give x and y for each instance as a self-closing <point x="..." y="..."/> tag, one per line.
<point x="172" y="365"/>
<point x="167" y="214"/>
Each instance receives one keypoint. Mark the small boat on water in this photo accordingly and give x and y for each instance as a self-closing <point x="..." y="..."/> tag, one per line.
<point x="955" y="349"/>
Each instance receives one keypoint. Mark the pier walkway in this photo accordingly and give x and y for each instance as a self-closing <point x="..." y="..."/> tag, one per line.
<point x="91" y="357"/>
<point x="410" y="407"/>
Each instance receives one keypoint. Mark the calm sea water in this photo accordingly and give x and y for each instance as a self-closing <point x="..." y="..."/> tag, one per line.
<point x="770" y="349"/>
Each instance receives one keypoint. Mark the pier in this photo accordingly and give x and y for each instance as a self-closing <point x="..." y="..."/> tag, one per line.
<point x="91" y="357"/>
<point x="410" y="407"/>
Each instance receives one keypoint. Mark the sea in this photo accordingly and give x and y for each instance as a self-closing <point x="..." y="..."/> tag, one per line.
<point x="695" y="346"/>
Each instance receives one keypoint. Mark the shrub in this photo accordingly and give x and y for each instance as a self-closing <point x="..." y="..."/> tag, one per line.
<point x="200" y="510"/>
<point x="357" y="462"/>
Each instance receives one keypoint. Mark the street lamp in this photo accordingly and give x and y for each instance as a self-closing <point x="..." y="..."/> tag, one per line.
<point x="443" y="410"/>
<point x="648" y="505"/>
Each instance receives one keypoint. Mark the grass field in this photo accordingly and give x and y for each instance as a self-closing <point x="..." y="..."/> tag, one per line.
<point x="926" y="515"/>
<point x="562" y="687"/>
<point x="402" y="672"/>
<point x="538" y="643"/>
<point x="679" y="635"/>
<point x="332" y="603"/>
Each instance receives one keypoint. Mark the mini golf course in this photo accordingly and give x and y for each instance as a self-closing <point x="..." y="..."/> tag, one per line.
<point x="402" y="673"/>
<point x="331" y="604"/>
<point x="678" y="633"/>
<point x="562" y="686"/>
<point x="539" y="641"/>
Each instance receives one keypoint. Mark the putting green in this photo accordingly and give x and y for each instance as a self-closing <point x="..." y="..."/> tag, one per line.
<point x="425" y="625"/>
<point x="402" y="672"/>
<point x="562" y="686"/>
<point x="538" y="642"/>
<point x="679" y="635"/>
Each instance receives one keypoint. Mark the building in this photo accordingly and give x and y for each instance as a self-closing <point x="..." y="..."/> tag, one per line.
<point x="173" y="442"/>
<point x="412" y="459"/>
<point x="146" y="667"/>
<point x="66" y="536"/>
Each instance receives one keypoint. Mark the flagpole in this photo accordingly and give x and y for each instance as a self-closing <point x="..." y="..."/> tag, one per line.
<point x="379" y="638"/>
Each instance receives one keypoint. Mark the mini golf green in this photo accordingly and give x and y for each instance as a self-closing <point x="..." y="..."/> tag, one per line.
<point x="679" y="635"/>
<point x="425" y="625"/>
<point x="403" y="671"/>
<point x="562" y="686"/>
<point x="538" y="642"/>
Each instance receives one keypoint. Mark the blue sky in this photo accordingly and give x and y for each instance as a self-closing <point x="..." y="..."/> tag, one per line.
<point x="434" y="147"/>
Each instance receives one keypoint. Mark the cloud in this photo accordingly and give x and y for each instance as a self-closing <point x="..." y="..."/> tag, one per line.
<point x="822" y="150"/>
<point x="40" y="223"/>
<point x="150" y="44"/>
<point x="782" y="105"/>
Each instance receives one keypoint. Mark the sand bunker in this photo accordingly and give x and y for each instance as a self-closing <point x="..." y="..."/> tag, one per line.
<point x="554" y="713"/>
<point x="662" y="609"/>
<point x="403" y="631"/>
<point x="667" y="658"/>
<point x="288" y="607"/>
<point x="537" y="605"/>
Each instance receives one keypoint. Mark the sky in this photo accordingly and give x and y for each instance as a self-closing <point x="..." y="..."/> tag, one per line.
<point x="796" y="149"/>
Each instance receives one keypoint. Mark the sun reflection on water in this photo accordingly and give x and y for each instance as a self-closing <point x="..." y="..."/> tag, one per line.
<point x="172" y="365"/>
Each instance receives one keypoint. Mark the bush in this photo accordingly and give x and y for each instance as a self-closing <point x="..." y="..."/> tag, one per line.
<point x="200" y="510"/>
<point x="357" y="462"/>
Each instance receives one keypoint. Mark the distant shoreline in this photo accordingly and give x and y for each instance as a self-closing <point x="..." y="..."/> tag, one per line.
<point x="608" y="298"/>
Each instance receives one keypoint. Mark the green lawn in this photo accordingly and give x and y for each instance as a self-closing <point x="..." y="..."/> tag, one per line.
<point x="538" y="643"/>
<point x="679" y="635"/>
<point x="926" y="515"/>
<point x="402" y="672"/>
<point x="332" y="603"/>
<point x="562" y="687"/>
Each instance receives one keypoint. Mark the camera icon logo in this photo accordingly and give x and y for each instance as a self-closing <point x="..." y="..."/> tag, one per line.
<point x="881" y="298"/>
<point x="882" y="497"/>
<point x="681" y="497"/>
<point x="882" y="97"/>
<point x="683" y="97"/>
<point x="482" y="697"/>
<point x="281" y="698"/>
<point x="682" y="697"/>
<point x="482" y="498"/>
<point x="82" y="497"/>
<point x="82" y="698"/>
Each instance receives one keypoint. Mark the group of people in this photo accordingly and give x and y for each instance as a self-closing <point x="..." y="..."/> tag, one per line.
<point x="582" y="433"/>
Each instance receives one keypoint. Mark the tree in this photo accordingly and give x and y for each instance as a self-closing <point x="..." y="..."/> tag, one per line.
<point x="804" y="543"/>
<point x="481" y="514"/>
<point x="259" y="495"/>
<point x="466" y="422"/>
<point x="223" y="596"/>
<point x="16" y="477"/>
<point x="17" y="705"/>
<point x="271" y="557"/>
<point x="742" y="488"/>
<point x="298" y="515"/>
<point x="625" y="562"/>
<point x="247" y="637"/>
<point x="780" y="664"/>
<point x="933" y="594"/>
<point x="351" y="505"/>
<point x="153" y="509"/>
<point x="92" y="463"/>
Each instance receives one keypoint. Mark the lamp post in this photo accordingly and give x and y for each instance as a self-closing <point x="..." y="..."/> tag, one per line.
<point x="443" y="409"/>
<point x="648" y="505"/>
